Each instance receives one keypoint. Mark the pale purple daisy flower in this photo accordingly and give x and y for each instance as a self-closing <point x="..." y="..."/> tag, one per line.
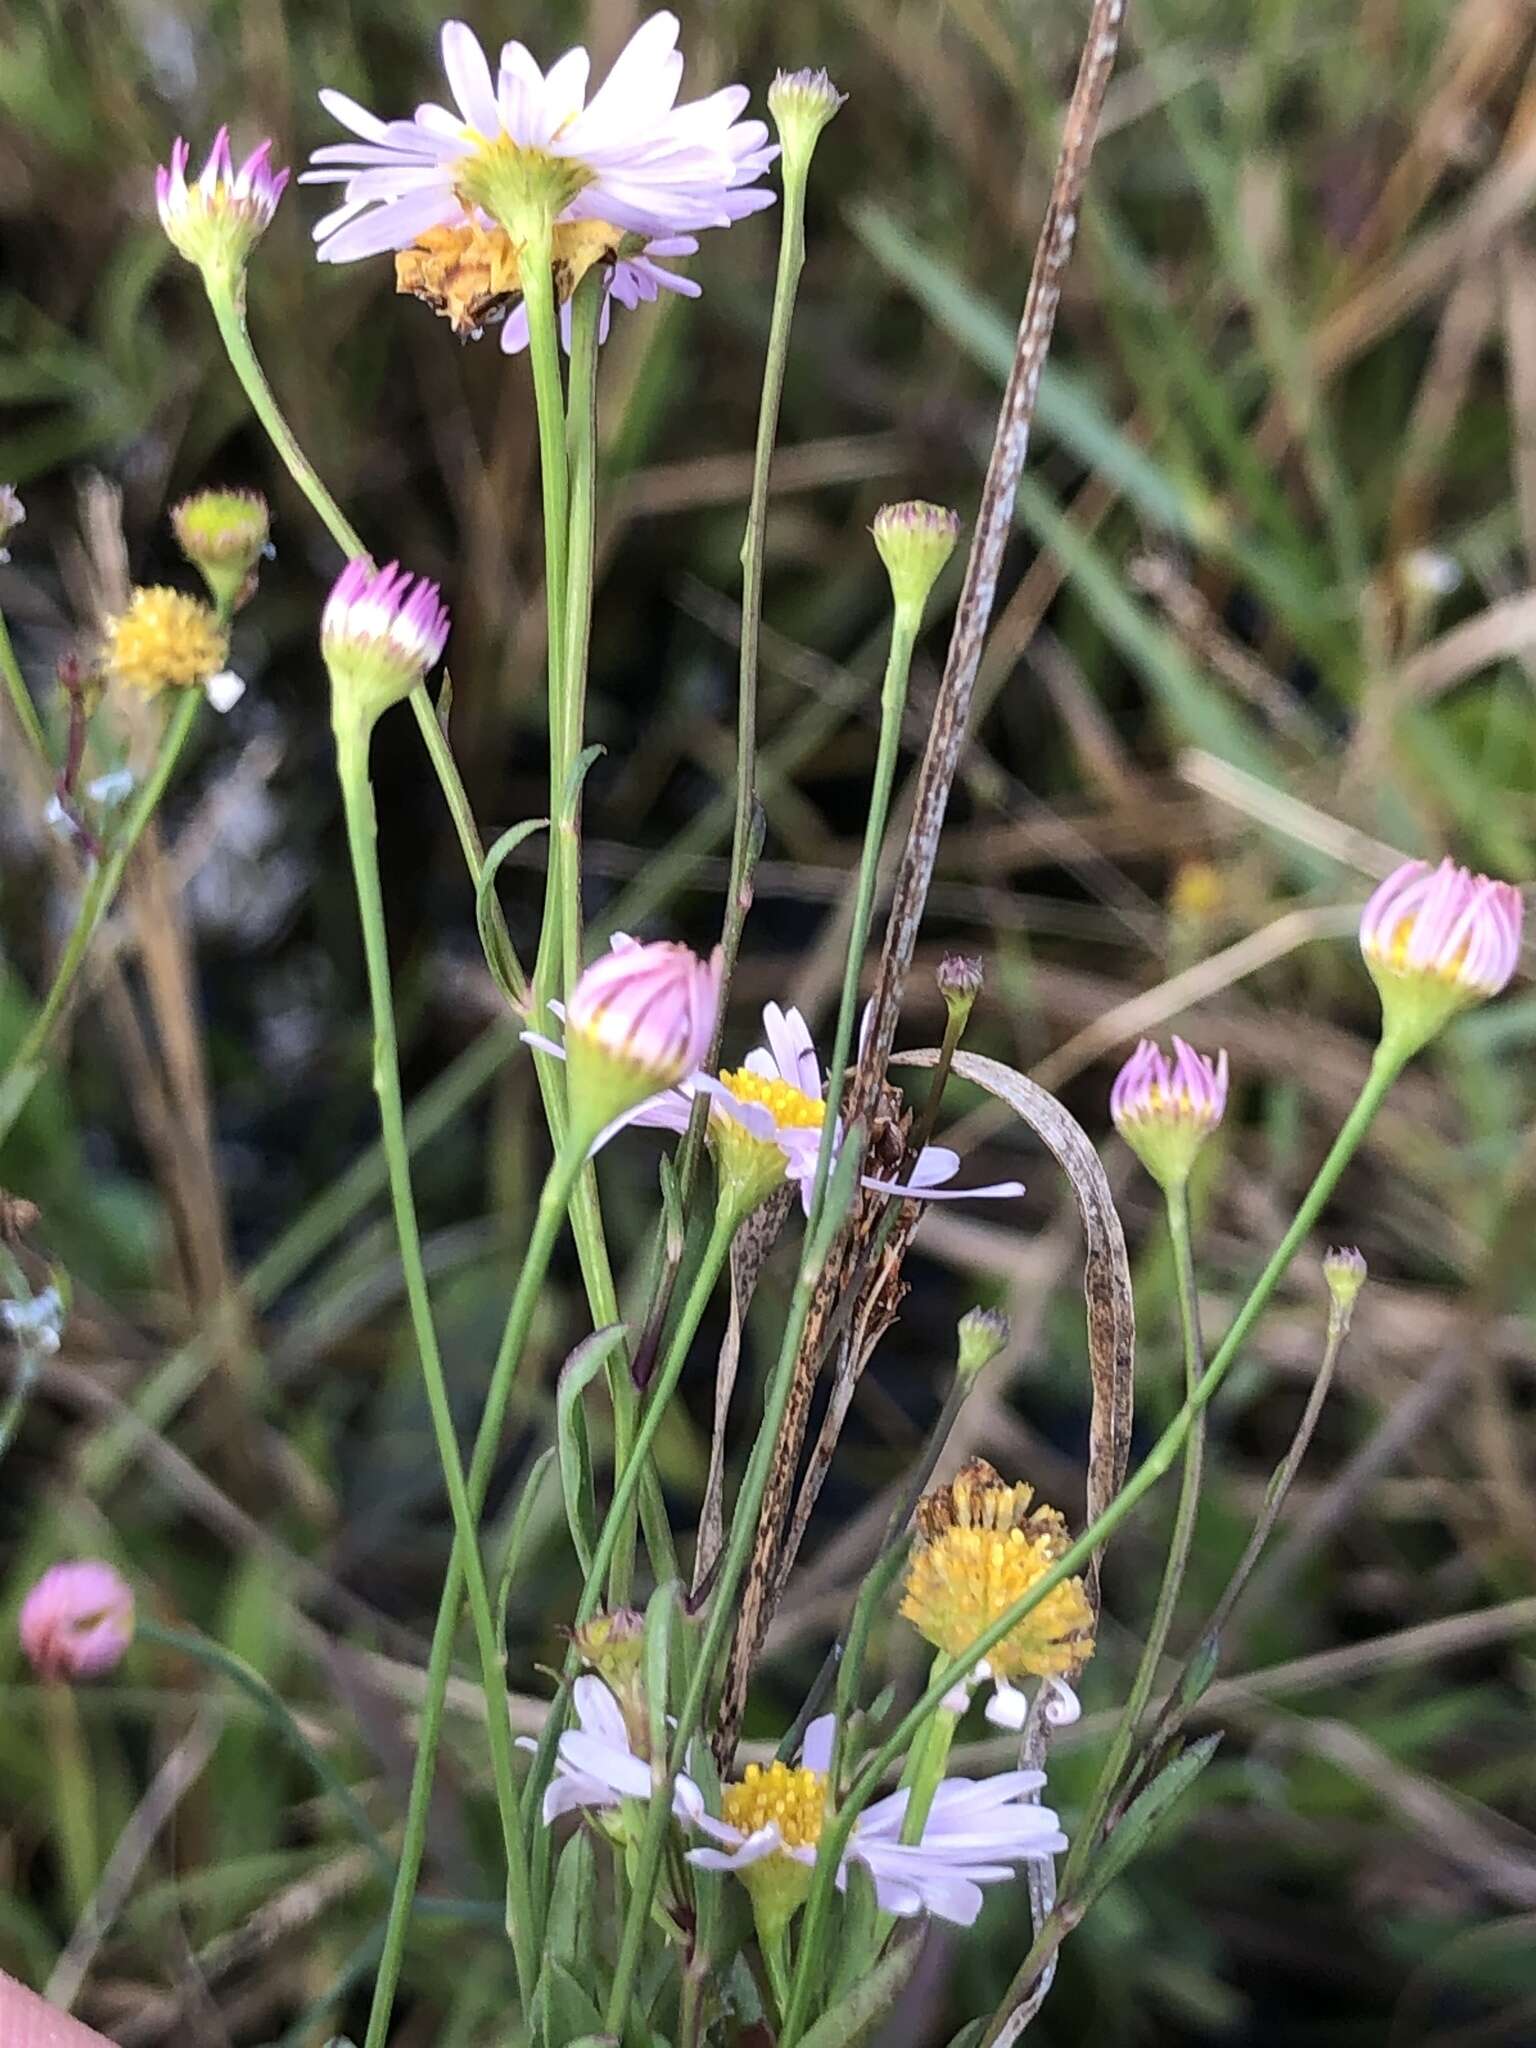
<point x="596" y="1766"/>
<point x="1437" y="940"/>
<point x="218" y="220"/>
<point x="976" y="1831"/>
<point x="629" y="156"/>
<point x="1166" y="1109"/>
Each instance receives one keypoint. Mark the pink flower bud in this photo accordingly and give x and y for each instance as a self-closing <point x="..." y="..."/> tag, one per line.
<point x="380" y="632"/>
<point x="77" y="1621"/>
<point x="1166" y="1110"/>
<point x="1437" y="940"/>
<point x="216" y="222"/>
<point x="639" y="1020"/>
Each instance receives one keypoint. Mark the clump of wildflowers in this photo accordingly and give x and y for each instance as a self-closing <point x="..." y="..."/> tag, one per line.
<point x="1166" y="1109"/>
<point x="1437" y="940"/>
<point x="981" y="1545"/>
<point x="217" y="221"/>
<point x="77" y="1621"/>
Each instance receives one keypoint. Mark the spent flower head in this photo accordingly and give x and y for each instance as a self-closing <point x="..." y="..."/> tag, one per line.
<point x="1437" y="940"/>
<point x="1166" y="1109"/>
<point x="981" y="1545"/>
<point x="1344" y="1271"/>
<point x="802" y="103"/>
<point x="380" y="632"/>
<point x="166" y="640"/>
<point x="224" y="534"/>
<point x="12" y="514"/>
<point x="914" y="540"/>
<point x="217" y="221"/>
<point x="77" y="1621"/>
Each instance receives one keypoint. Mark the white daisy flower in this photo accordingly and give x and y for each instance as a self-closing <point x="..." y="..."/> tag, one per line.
<point x="595" y="1765"/>
<point x="976" y="1832"/>
<point x="630" y="157"/>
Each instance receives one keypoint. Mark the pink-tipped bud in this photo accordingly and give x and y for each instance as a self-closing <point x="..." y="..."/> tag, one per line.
<point x="380" y="632"/>
<point x="77" y="1621"/>
<point x="1437" y="940"/>
<point x="1166" y="1109"/>
<point x="638" y="1021"/>
<point x="217" y="221"/>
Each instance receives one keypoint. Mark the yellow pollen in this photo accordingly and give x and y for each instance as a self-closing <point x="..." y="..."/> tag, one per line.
<point x="790" y="1107"/>
<point x="1396" y="954"/>
<point x="980" y="1548"/>
<point x="165" y="640"/>
<point x="795" y="1799"/>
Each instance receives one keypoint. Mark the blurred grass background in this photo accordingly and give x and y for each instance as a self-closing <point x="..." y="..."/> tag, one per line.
<point x="1269" y="622"/>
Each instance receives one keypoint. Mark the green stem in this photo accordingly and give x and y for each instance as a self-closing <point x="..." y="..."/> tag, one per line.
<point x="581" y="454"/>
<point x="216" y="1658"/>
<point x="1180" y="1542"/>
<point x="227" y="298"/>
<point x="21" y="698"/>
<point x="352" y="738"/>
<point x="553" y="1202"/>
<point x="1385" y="1067"/>
<point x="26" y="1065"/>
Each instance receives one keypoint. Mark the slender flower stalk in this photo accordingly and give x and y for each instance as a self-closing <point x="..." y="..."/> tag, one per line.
<point x="1158" y="1461"/>
<point x="27" y="1063"/>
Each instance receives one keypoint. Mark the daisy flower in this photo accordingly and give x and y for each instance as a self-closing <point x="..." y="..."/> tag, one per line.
<point x="1437" y="940"/>
<point x="527" y="149"/>
<point x="597" y="1766"/>
<point x="771" y="1821"/>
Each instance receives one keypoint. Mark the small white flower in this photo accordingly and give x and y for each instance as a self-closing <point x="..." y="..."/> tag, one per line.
<point x="224" y="690"/>
<point x="975" y="1833"/>
<point x="595" y="1766"/>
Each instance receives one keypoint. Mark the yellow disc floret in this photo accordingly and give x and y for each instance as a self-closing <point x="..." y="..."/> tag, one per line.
<point x="981" y="1547"/>
<point x="750" y="1167"/>
<point x="794" y="1800"/>
<point x="165" y="640"/>
<point x="790" y="1107"/>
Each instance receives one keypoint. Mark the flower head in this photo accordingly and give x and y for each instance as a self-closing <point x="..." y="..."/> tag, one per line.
<point x="802" y="103"/>
<point x="526" y="150"/>
<point x="639" y="1019"/>
<point x="77" y="1621"/>
<point x="982" y="1333"/>
<point x="914" y="540"/>
<point x="597" y="1766"/>
<point x="166" y="641"/>
<point x="380" y="632"/>
<point x="12" y="514"/>
<point x="980" y="1547"/>
<point x="770" y="1825"/>
<point x="765" y="1121"/>
<point x="1437" y="940"/>
<point x="613" y="1646"/>
<point x="216" y="222"/>
<point x="224" y="534"/>
<point x="1165" y="1110"/>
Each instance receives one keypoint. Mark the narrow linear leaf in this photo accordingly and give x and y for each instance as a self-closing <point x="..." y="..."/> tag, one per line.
<point x="1145" y="1815"/>
<point x="576" y="1485"/>
<point x="508" y="843"/>
<point x="855" y="2017"/>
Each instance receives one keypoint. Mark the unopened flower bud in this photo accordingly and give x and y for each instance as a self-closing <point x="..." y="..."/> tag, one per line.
<point x="1165" y="1110"/>
<point x="380" y="632"/>
<point x="914" y="540"/>
<point x="638" y="1021"/>
<point x="77" y="1621"/>
<point x="960" y="977"/>
<point x="802" y="103"/>
<point x="983" y="1333"/>
<point x="224" y="534"/>
<point x="217" y="222"/>
<point x="1437" y="940"/>
<point x="12" y="515"/>
<point x="613" y="1646"/>
<point x="1344" y="1271"/>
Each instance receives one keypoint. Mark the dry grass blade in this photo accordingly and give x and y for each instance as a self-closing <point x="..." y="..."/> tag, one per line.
<point x="1106" y="1271"/>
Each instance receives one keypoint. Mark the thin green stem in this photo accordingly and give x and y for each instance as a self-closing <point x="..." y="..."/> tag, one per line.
<point x="352" y="739"/>
<point x="1385" y="1067"/>
<point x="1179" y="1545"/>
<point x="227" y="298"/>
<point x="26" y="1065"/>
<point x="21" y="698"/>
<point x="216" y="1658"/>
<point x="581" y="455"/>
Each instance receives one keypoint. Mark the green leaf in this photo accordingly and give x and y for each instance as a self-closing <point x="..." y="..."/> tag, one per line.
<point x="508" y="843"/>
<point x="517" y="1536"/>
<point x="1145" y="1815"/>
<point x="660" y="1618"/>
<point x="571" y="1436"/>
<point x="970" y="2035"/>
<point x="858" y="1936"/>
<point x="568" y="1935"/>
<point x="855" y="2017"/>
<point x="570" y="2014"/>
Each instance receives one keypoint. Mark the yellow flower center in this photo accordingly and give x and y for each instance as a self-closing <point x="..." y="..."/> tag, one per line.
<point x="795" y="1799"/>
<point x="789" y="1106"/>
<point x="1396" y="954"/>
<point x="980" y="1549"/>
<point x="164" y="640"/>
